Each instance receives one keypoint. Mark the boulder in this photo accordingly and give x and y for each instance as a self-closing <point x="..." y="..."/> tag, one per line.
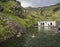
<point x="1" y="8"/>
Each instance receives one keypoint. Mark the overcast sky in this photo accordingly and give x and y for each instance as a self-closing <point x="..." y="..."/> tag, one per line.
<point x="38" y="3"/>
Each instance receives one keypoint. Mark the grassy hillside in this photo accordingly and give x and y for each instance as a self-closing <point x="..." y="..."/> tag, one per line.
<point x="32" y="15"/>
<point x="25" y="17"/>
<point x="9" y="13"/>
<point x="9" y="20"/>
<point x="44" y="13"/>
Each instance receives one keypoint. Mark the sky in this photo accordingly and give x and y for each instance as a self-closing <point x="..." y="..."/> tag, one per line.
<point x="38" y="3"/>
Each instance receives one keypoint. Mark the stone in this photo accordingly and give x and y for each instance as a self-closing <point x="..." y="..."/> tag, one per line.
<point x="1" y="8"/>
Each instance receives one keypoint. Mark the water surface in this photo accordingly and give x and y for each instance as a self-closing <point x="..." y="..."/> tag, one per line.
<point x="34" y="38"/>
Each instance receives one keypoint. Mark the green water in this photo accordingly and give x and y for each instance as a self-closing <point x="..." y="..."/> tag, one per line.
<point x="33" y="38"/>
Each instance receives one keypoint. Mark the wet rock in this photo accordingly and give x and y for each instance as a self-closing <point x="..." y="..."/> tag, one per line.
<point x="59" y="29"/>
<point x="1" y="8"/>
<point x="18" y="2"/>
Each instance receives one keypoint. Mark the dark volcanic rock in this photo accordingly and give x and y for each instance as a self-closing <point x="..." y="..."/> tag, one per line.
<point x="56" y="9"/>
<point x="59" y="29"/>
<point x="15" y="28"/>
<point x="1" y="8"/>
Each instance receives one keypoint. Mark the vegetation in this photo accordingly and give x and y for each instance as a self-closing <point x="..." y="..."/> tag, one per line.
<point x="29" y="16"/>
<point x="10" y="21"/>
<point x="12" y="13"/>
<point x="9" y="12"/>
<point x="44" y="13"/>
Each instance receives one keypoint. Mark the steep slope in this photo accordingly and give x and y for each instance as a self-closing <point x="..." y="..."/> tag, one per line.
<point x="9" y="28"/>
<point x="9" y="12"/>
<point x="10" y="22"/>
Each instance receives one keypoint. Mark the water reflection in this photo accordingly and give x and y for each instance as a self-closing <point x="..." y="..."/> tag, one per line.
<point x="45" y="28"/>
<point x="32" y="38"/>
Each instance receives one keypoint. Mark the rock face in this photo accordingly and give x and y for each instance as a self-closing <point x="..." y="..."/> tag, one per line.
<point x="18" y="10"/>
<point x="1" y="8"/>
<point x="12" y="28"/>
